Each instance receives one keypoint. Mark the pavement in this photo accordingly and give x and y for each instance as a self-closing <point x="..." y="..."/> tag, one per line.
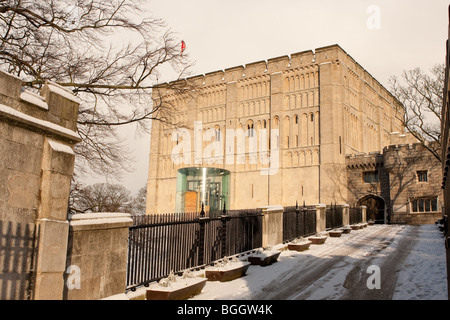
<point x="379" y="262"/>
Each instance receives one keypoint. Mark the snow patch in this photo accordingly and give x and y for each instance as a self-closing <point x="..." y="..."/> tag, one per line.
<point x="34" y="99"/>
<point x="60" y="147"/>
<point x="17" y="115"/>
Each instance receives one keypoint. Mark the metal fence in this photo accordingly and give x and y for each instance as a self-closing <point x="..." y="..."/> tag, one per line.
<point x="333" y="216"/>
<point x="355" y="215"/>
<point x="298" y="222"/>
<point x="160" y="244"/>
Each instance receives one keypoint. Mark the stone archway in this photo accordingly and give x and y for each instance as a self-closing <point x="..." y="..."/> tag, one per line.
<point x="376" y="207"/>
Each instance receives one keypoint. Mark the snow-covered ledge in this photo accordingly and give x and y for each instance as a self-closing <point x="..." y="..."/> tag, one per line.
<point x="99" y="220"/>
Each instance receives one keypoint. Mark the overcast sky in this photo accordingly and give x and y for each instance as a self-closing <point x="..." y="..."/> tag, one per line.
<point x="384" y="37"/>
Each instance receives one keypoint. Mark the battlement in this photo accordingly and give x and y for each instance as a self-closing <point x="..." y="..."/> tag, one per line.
<point x="398" y="138"/>
<point x="398" y="141"/>
<point x="53" y="110"/>
<point x="263" y="67"/>
<point x="371" y="160"/>
<point x="377" y="159"/>
<point x="328" y="54"/>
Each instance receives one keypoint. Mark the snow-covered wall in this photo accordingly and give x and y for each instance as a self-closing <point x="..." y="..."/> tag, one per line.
<point x="37" y="134"/>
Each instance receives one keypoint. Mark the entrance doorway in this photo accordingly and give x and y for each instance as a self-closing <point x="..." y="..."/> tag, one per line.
<point x="375" y="207"/>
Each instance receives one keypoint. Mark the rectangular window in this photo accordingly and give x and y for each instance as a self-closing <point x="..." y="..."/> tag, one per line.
<point x="422" y="176"/>
<point x="420" y="202"/>
<point x="427" y="205"/>
<point x="370" y="177"/>
<point x="414" y="206"/>
<point x="424" y="205"/>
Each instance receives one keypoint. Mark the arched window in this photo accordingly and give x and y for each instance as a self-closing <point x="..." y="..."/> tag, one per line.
<point x="250" y="129"/>
<point x="275" y="121"/>
<point x="217" y="133"/>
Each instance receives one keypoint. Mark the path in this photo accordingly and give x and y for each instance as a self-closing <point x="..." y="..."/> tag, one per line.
<point x="338" y="269"/>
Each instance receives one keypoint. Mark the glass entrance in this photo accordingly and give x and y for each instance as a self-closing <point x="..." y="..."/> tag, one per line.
<point x="202" y="185"/>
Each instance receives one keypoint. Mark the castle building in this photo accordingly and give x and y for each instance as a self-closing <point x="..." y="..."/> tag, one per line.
<point x="401" y="184"/>
<point x="272" y="132"/>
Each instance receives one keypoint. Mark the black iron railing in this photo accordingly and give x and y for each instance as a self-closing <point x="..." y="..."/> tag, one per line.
<point x="298" y="222"/>
<point x="355" y="215"/>
<point x="333" y="216"/>
<point x="160" y="244"/>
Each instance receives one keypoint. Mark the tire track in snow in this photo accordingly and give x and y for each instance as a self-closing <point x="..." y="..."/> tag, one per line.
<point x="324" y="273"/>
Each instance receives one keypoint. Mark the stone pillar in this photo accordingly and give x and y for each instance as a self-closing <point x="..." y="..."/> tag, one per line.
<point x="56" y="173"/>
<point x="321" y="217"/>
<point x="272" y="225"/>
<point x="346" y="215"/>
<point x="52" y="224"/>
<point x="363" y="214"/>
<point x="37" y="136"/>
<point x="96" y="264"/>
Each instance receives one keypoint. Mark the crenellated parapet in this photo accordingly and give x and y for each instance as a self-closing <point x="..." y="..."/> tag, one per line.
<point x="397" y="138"/>
<point x="371" y="160"/>
<point x="54" y="110"/>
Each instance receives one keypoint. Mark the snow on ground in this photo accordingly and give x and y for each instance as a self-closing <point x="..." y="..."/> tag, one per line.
<point x="423" y="275"/>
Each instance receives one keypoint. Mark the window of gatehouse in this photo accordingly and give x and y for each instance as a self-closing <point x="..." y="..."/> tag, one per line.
<point x="370" y="176"/>
<point x="422" y="176"/>
<point x="424" y="205"/>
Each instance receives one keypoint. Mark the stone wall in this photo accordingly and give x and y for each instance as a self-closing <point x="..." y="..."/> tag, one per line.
<point x="37" y="136"/>
<point x="402" y="162"/>
<point x="44" y="254"/>
<point x="397" y="186"/>
<point x="97" y="255"/>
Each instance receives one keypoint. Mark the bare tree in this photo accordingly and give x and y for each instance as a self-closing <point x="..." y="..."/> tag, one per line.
<point x="140" y="202"/>
<point x="102" y="197"/>
<point x="422" y="97"/>
<point x="111" y="54"/>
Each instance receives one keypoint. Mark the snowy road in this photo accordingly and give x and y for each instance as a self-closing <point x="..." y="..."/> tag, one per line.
<point x="407" y="262"/>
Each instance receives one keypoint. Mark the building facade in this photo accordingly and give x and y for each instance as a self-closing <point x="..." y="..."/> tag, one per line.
<point x="401" y="184"/>
<point x="268" y="133"/>
<point x="445" y="156"/>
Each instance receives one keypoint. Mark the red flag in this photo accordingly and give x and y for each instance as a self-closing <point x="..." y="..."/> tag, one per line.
<point x="183" y="46"/>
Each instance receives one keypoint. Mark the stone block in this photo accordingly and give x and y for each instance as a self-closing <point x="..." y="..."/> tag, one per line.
<point x="20" y="157"/>
<point x="62" y="105"/>
<point x="10" y="85"/>
<point x="23" y="190"/>
<point x="55" y="188"/>
<point x="58" y="157"/>
<point x="48" y="286"/>
<point x="52" y="246"/>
